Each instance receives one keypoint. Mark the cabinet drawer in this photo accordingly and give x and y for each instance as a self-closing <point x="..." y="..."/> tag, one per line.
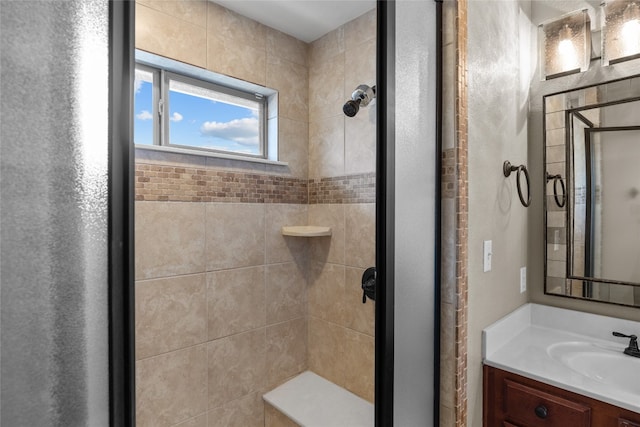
<point x="529" y="406"/>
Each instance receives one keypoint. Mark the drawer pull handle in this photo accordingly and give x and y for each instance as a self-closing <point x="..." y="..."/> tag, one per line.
<point x="541" y="412"/>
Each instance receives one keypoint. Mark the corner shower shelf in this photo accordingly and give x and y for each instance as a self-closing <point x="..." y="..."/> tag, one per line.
<point x="306" y="231"/>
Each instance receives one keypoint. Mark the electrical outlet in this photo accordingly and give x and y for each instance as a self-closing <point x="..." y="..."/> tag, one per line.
<point x="486" y="255"/>
<point x="523" y="279"/>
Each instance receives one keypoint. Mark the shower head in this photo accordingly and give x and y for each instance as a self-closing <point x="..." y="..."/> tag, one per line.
<point x="361" y="97"/>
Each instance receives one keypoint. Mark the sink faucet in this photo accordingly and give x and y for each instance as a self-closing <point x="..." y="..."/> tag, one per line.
<point x="633" y="349"/>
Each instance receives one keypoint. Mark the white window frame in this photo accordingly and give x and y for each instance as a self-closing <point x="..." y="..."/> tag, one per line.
<point x="164" y="70"/>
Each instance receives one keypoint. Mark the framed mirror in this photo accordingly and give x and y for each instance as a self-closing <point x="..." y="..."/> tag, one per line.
<point x="592" y="192"/>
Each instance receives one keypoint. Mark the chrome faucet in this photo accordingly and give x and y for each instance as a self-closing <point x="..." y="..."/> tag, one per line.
<point x="633" y="349"/>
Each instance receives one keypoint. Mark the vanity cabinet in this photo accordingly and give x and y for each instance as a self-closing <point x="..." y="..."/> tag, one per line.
<point x="511" y="400"/>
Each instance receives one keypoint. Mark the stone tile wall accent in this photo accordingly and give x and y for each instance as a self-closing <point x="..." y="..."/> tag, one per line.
<point x="168" y="183"/>
<point x="156" y="182"/>
<point x="462" y="208"/>
<point x="454" y="283"/>
<point x="360" y="188"/>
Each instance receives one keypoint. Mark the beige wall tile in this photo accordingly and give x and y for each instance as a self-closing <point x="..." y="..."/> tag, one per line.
<point x="236" y="366"/>
<point x="293" y="146"/>
<point x="328" y="249"/>
<point x="447" y="416"/>
<point x="245" y="412"/>
<point x="364" y="56"/>
<point x="168" y="36"/>
<point x="360" y="235"/>
<point x="291" y="81"/>
<point x="275" y="418"/>
<point x="360" y="141"/>
<point x="360" y="30"/>
<point x="326" y="147"/>
<point x="170" y="314"/>
<point x="235" y="235"/>
<point x="225" y="23"/>
<point x="234" y="59"/>
<point x="556" y="154"/>
<point x="286" y="292"/>
<point x="193" y="11"/>
<point x="360" y="131"/>
<point x="172" y="387"/>
<point x="199" y="421"/>
<point x="236" y="301"/>
<point x="286" y="47"/>
<point x="326" y="89"/>
<point x="327" y="47"/>
<point x="326" y="293"/>
<point x="286" y="351"/>
<point x="358" y="316"/>
<point x="169" y="239"/>
<point x="358" y="362"/>
<point x="555" y="137"/>
<point x="554" y="120"/>
<point x="285" y="248"/>
<point x="326" y="350"/>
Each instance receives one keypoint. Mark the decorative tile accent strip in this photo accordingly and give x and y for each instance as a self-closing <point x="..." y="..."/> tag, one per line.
<point x="187" y="184"/>
<point x="462" y="211"/>
<point x="449" y="173"/>
<point x="360" y="188"/>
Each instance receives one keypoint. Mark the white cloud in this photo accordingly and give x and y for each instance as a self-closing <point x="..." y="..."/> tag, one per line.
<point x="144" y="115"/>
<point x="243" y="131"/>
<point x="176" y="117"/>
<point x="137" y="85"/>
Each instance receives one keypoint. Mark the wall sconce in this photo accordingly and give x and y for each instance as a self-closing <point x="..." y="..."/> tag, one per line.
<point x="565" y="45"/>
<point x="620" y="31"/>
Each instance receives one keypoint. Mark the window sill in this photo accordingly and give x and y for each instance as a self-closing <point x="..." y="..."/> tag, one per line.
<point x="210" y="154"/>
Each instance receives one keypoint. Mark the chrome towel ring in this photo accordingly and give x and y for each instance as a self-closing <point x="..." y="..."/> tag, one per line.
<point x="558" y="178"/>
<point x="507" y="168"/>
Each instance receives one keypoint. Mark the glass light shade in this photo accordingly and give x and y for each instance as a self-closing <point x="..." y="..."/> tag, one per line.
<point x="620" y="31"/>
<point x="565" y="45"/>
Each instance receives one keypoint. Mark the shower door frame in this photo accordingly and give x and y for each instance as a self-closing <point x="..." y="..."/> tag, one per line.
<point x="385" y="201"/>
<point x="121" y="215"/>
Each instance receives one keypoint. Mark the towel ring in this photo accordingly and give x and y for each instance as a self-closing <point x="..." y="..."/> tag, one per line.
<point x="556" y="179"/>
<point x="507" y="168"/>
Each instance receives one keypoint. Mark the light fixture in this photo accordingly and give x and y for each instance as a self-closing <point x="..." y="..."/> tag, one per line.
<point x="565" y="45"/>
<point x="621" y="31"/>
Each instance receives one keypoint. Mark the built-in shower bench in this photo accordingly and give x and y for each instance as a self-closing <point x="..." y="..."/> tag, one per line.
<point x="311" y="401"/>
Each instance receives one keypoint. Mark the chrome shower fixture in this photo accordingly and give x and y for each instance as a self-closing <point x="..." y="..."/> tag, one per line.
<point x="361" y="97"/>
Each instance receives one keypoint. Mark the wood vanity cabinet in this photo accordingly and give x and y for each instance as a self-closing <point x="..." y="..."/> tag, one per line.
<point x="511" y="400"/>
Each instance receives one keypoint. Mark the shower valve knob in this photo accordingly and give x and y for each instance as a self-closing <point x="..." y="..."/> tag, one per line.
<point x="369" y="284"/>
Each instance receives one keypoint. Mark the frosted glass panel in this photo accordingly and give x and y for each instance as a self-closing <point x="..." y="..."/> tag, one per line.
<point x="53" y="224"/>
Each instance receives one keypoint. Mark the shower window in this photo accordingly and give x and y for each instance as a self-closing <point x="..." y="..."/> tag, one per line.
<point x="180" y="111"/>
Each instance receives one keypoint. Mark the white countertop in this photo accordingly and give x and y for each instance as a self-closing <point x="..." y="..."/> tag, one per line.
<point x="518" y="343"/>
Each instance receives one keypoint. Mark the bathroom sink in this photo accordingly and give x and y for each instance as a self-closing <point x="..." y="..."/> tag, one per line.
<point x="607" y="365"/>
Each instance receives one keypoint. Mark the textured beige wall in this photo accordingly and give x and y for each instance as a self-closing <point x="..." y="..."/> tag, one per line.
<point x="498" y="96"/>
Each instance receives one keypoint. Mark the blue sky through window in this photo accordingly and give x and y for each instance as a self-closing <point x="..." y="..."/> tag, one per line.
<point x="198" y="117"/>
<point x="208" y="123"/>
<point x="143" y="107"/>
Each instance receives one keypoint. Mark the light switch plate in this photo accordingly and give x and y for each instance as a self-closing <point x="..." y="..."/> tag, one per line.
<point x="523" y="279"/>
<point x="486" y="255"/>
